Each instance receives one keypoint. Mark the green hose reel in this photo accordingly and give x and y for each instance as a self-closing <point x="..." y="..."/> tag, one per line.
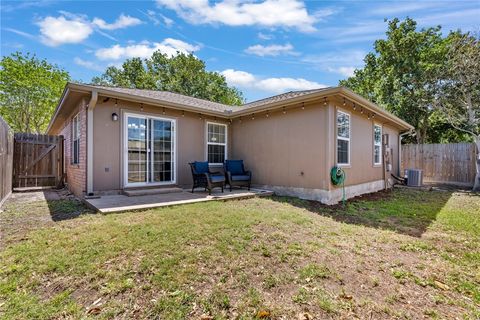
<point x="337" y="176"/>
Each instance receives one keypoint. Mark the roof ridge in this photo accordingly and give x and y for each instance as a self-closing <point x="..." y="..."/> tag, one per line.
<point x="154" y="90"/>
<point x="284" y="94"/>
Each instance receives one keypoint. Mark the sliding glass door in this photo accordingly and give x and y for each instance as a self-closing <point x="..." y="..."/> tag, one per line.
<point x="149" y="150"/>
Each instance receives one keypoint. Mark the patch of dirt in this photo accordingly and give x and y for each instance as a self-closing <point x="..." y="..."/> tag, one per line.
<point x="27" y="211"/>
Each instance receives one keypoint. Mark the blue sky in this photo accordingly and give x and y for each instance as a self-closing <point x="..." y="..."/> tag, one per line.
<point x="263" y="47"/>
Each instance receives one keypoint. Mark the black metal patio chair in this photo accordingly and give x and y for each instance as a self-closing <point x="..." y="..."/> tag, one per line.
<point x="203" y="177"/>
<point x="236" y="174"/>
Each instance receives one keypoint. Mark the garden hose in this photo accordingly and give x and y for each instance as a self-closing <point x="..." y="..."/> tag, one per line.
<point x="337" y="176"/>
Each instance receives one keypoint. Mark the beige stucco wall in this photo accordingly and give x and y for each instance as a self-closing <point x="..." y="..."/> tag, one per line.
<point x="362" y="168"/>
<point x="279" y="148"/>
<point x="108" y="141"/>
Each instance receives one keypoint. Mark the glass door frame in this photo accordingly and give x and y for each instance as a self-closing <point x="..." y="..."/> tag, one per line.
<point x="149" y="165"/>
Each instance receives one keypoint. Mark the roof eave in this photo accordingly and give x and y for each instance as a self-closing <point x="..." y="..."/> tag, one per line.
<point x="278" y="104"/>
<point x="375" y="108"/>
<point x="156" y="102"/>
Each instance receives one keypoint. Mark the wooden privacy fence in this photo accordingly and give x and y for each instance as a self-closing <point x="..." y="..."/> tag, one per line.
<point x="38" y="160"/>
<point x="444" y="163"/>
<point x="6" y="160"/>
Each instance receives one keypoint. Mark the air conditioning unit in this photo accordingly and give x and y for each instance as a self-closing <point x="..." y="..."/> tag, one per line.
<point x="414" y="177"/>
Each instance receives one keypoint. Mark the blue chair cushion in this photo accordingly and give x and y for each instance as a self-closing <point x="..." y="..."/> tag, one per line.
<point x="217" y="178"/>
<point x="201" y="167"/>
<point x="235" y="167"/>
<point x="241" y="178"/>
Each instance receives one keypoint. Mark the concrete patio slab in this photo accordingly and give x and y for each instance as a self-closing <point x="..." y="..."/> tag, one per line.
<point x="119" y="203"/>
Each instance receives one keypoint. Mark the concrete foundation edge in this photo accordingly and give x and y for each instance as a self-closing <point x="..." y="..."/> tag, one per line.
<point x="325" y="196"/>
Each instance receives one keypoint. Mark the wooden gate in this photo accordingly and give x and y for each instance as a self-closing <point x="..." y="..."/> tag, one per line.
<point x="37" y="161"/>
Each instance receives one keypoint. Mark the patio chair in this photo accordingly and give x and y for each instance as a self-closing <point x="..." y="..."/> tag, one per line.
<point x="236" y="174"/>
<point x="203" y="177"/>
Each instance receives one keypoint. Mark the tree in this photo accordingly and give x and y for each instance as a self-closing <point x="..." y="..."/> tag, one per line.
<point x="458" y="88"/>
<point x="401" y="74"/>
<point x="183" y="73"/>
<point x="30" y="91"/>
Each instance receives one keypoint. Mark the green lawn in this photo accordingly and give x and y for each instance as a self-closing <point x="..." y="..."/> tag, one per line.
<point x="407" y="254"/>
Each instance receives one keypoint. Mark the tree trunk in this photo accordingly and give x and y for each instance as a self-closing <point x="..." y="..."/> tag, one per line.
<point x="476" y="185"/>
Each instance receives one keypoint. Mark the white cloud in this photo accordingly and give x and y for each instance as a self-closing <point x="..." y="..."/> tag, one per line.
<point x="343" y="63"/>
<point x="267" y="13"/>
<point x="344" y="71"/>
<point x="158" y="18"/>
<point x="57" y="31"/>
<point x="145" y="49"/>
<point x="238" y="78"/>
<point x="244" y="79"/>
<point x="88" y="64"/>
<point x="270" y="50"/>
<point x="401" y="7"/>
<point x="122" y="21"/>
<point x="20" y="33"/>
<point x="265" y="36"/>
<point x="74" y="28"/>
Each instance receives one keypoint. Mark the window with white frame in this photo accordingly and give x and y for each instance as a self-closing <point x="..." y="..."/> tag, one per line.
<point x="377" y="144"/>
<point x="75" y="141"/>
<point x="343" y="138"/>
<point x="216" y="142"/>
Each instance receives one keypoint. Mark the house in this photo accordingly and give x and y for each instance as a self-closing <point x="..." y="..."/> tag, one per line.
<point x="120" y="138"/>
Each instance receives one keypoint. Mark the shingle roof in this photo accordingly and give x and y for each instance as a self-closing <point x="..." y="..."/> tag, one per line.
<point x="170" y="97"/>
<point x="201" y="103"/>
<point x="280" y="97"/>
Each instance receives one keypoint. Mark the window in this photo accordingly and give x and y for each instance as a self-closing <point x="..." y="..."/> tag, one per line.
<point x="75" y="143"/>
<point x="216" y="142"/>
<point x="377" y="145"/>
<point x="343" y="138"/>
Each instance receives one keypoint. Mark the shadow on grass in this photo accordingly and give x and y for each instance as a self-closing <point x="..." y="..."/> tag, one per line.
<point x="64" y="208"/>
<point x="405" y="211"/>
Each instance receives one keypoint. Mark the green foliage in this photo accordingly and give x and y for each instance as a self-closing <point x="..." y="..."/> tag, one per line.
<point x="401" y="75"/>
<point x="458" y="88"/>
<point x="182" y="73"/>
<point x="30" y="91"/>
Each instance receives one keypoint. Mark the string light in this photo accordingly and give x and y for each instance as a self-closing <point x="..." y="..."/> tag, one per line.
<point x="354" y="106"/>
<point x="284" y="110"/>
<point x="183" y="113"/>
<point x="373" y="115"/>
<point x="303" y="105"/>
<point x="116" y="103"/>
<point x="240" y="120"/>
<point x="325" y="101"/>
<point x="268" y="114"/>
<point x="344" y="102"/>
<point x="368" y="116"/>
<point x="141" y="106"/>
<point x="253" y="116"/>
<point x="200" y="116"/>
<point x="361" y="110"/>
<point x="163" y="112"/>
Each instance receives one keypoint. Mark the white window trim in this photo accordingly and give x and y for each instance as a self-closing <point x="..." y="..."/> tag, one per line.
<point x="74" y="130"/>
<point x="126" y="184"/>
<point x="343" y="138"/>
<point x="377" y="144"/>
<point x="216" y="143"/>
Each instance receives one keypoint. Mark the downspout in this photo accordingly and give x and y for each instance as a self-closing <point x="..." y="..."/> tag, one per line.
<point x="400" y="136"/>
<point x="91" y="107"/>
